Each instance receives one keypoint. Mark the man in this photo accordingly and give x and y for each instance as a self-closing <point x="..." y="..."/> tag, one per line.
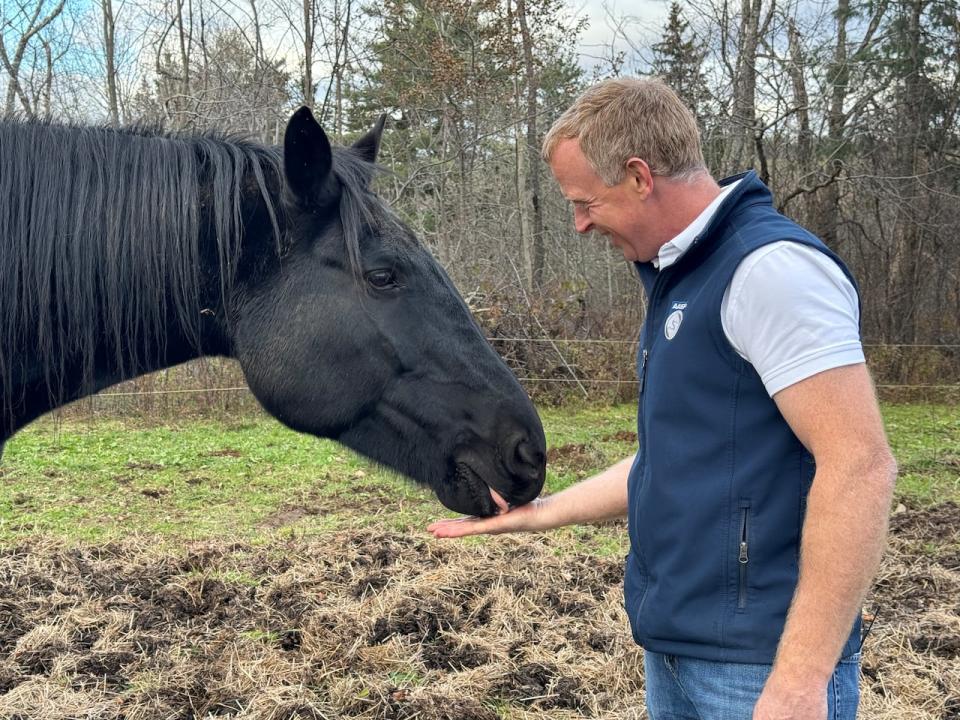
<point x="757" y="503"/>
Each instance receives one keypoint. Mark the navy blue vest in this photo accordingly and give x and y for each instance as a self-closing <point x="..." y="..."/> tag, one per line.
<point x="718" y="491"/>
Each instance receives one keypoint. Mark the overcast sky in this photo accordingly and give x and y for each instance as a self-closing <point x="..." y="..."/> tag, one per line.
<point x="642" y="19"/>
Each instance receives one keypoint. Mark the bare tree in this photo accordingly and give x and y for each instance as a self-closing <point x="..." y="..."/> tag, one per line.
<point x="29" y="19"/>
<point x="110" y="60"/>
<point x="743" y="119"/>
<point x="842" y="118"/>
<point x="532" y="175"/>
<point x="309" y="28"/>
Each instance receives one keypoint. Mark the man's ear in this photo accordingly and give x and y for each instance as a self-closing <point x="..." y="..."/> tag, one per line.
<point x="308" y="160"/>
<point x="369" y="145"/>
<point x="638" y="172"/>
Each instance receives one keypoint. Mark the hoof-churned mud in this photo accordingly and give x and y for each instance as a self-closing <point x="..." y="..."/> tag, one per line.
<point x="398" y="627"/>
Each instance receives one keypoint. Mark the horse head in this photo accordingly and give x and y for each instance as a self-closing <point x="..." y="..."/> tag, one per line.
<point x="354" y="332"/>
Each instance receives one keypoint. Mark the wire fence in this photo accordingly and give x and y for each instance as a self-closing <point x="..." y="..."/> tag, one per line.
<point x="903" y="372"/>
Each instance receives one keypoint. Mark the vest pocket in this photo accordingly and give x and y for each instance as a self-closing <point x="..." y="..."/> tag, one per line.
<point x="743" y="555"/>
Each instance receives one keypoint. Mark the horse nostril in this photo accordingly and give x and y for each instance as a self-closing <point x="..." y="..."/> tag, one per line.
<point x="527" y="454"/>
<point x="526" y="460"/>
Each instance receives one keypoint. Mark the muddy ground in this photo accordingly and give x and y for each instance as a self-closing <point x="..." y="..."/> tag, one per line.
<point x="397" y="627"/>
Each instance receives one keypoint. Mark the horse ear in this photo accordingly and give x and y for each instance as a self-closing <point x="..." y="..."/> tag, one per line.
<point x="308" y="159"/>
<point x="369" y="145"/>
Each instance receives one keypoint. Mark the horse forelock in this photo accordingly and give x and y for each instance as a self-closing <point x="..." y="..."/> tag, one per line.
<point x="362" y="211"/>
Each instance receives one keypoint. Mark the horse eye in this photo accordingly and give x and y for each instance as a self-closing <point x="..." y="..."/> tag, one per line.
<point x="382" y="279"/>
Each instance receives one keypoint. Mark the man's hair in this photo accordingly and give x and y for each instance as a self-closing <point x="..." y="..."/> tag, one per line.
<point x="621" y="118"/>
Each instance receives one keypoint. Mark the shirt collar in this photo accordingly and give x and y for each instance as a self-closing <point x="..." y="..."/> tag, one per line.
<point x="674" y="249"/>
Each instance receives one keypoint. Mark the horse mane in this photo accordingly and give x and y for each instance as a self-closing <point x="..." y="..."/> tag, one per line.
<point x="101" y="237"/>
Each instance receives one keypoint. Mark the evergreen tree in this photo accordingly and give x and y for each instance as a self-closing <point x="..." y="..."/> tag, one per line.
<point x="458" y="78"/>
<point x="678" y="60"/>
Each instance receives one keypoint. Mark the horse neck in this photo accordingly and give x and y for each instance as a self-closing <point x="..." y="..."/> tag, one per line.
<point x="120" y="254"/>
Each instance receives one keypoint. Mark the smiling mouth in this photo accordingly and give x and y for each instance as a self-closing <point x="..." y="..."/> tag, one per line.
<point x="468" y="475"/>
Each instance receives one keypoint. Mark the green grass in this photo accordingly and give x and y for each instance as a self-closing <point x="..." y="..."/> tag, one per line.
<point x="192" y="479"/>
<point x="926" y="442"/>
<point x="253" y="479"/>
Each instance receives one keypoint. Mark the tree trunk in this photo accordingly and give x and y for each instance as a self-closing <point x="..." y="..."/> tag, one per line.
<point x="532" y="185"/>
<point x="740" y="150"/>
<point x="308" y="33"/>
<point x="46" y="94"/>
<point x="184" y="52"/>
<point x="828" y="199"/>
<point x="109" y="51"/>
<point x="806" y="162"/>
<point x="908" y="233"/>
<point x="520" y="184"/>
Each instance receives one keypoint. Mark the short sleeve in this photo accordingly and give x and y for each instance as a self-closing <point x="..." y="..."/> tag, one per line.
<point x="791" y="312"/>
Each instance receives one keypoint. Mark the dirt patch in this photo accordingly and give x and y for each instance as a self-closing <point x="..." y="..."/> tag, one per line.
<point x="446" y="654"/>
<point x="910" y="666"/>
<point x="225" y="452"/>
<point x="10" y="676"/>
<point x="402" y="707"/>
<point x="938" y="524"/>
<point x="287" y="515"/>
<point x="362" y="625"/>
<point x="574" y="457"/>
<point x="421" y="623"/>
<point x="357" y="497"/>
<point x="144" y="466"/>
<point x="627" y="436"/>
<point x="939" y="640"/>
<point x="542" y="685"/>
<point x="110" y="667"/>
<point x="194" y="597"/>
<point x="381" y="626"/>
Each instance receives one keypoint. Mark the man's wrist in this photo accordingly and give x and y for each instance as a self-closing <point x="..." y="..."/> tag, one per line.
<point x="802" y="669"/>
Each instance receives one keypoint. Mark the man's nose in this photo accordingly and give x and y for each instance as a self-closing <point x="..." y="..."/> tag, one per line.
<point x="581" y="220"/>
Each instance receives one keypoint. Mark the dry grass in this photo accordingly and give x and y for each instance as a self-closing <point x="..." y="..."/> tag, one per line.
<point x="360" y="625"/>
<point x="911" y="667"/>
<point x="368" y="625"/>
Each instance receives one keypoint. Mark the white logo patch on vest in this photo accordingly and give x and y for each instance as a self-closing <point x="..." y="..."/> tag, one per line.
<point x="672" y="326"/>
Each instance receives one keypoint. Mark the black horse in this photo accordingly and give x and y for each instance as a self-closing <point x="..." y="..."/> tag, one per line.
<point x="127" y="251"/>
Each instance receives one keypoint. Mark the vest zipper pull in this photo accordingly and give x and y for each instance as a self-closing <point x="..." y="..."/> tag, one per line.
<point x="643" y="368"/>
<point x="743" y="558"/>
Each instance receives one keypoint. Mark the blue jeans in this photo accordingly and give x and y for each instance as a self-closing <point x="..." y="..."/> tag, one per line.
<point x="680" y="688"/>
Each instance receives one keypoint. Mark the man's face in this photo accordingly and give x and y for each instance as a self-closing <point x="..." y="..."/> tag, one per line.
<point x="617" y="212"/>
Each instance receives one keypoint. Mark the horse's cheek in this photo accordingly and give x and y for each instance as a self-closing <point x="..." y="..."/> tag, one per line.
<point x="310" y="361"/>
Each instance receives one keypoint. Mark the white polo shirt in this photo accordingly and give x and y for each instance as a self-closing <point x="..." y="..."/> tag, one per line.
<point x="789" y="309"/>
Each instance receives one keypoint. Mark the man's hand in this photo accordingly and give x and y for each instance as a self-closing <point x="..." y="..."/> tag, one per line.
<point x="598" y="498"/>
<point x="785" y="698"/>
<point x="517" y="519"/>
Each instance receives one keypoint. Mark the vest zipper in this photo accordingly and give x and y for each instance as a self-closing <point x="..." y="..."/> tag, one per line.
<point x="648" y="335"/>
<point x="743" y="559"/>
<point x="643" y="368"/>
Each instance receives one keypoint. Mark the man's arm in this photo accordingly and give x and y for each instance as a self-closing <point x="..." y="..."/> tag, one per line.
<point x="601" y="497"/>
<point x="835" y="415"/>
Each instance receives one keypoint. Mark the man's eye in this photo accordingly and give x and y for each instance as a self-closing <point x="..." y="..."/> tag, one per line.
<point x="382" y="279"/>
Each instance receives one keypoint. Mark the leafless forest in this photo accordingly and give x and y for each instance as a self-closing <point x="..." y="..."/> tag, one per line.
<point x="847" y="109"/>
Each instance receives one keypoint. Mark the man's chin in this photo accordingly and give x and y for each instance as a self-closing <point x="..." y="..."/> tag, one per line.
<point x="626" y="250"/>
<point x="628" y="253"/>
<point x="631" y="255"/>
